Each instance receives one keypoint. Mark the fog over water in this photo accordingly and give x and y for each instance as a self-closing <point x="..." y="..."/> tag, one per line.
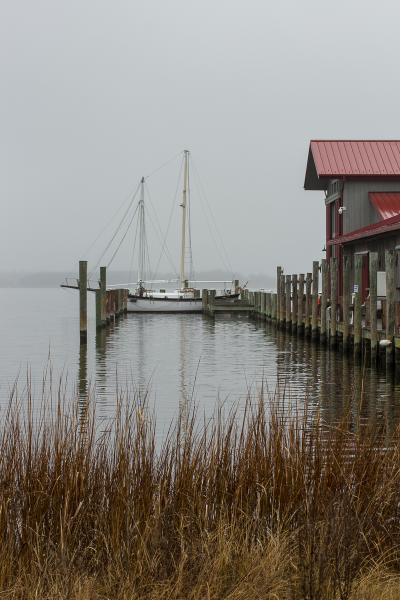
<point x="95" y="94"/>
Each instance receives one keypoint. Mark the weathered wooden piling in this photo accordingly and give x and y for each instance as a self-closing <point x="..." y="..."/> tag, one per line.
<point x="263" y="304"/>
<point x="324" y="298"/>
<point x="300" y="305"/>
<point x="288" y="302"/>
<point x="307" y="317"/>
<point x="204" y="300"/>
<point x="333" y="323"/>
<point x="83" y="301"/>
<point x="211" y="302"/>
<point x="294" y="303"/>
<point x="103" y="295"/>
<point x="274" y="303"/>
<point x="268" y="305"/>
<point x="283" y="302"/>
<point x="357" y="305"/>
<point x="390" y="266"/>
<point x="314" y="308"/>
<point x="346" y="304"/>
<point x="373" y="304"/>
<point x="278" y="293"/>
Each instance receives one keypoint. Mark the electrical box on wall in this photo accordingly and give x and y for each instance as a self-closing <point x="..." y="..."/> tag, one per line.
<point x="381" y="283"/>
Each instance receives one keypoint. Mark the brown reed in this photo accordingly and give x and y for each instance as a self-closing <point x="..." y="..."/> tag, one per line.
<point x="256" y="504"/>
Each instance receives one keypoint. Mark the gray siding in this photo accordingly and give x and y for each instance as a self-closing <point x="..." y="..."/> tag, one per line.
<point x="359" y="210"/>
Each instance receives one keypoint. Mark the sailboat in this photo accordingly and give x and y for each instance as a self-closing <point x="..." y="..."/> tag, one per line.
<point x="185" y="299"/>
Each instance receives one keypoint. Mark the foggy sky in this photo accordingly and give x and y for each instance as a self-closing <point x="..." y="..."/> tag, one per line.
<point x="96" y="93"/>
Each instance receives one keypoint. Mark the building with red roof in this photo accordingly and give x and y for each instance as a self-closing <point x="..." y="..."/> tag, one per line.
<point x="361" y="181"/>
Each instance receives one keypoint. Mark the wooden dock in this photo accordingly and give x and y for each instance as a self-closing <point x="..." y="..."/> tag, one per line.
<point x="321" y="307"/>
<point x="110" y="303"/>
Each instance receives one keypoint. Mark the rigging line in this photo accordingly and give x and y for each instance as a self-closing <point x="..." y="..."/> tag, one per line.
<point x="167" y="254"/>
<point x="123" y="237"/>
<point x="133" y="251"/>
<point x="117" y="230"/>
<point x="163" y="165"/>
<point x="218" y="249"/>
<point x="163" y="239"/>
<point x="159" y="232"/>
<point x="173" y="207"/>
<point x="128" y="198"/>
<point x="202" y="193"/>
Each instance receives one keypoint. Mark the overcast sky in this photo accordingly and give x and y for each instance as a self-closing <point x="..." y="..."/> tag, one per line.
<point x="96" y="93"/>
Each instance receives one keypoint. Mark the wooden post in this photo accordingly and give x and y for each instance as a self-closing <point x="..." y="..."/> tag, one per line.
<point x="83" y="301"/>
<point x="346" y="303"/>
<point x="300" y="306"/>
<point x="211" y="301"/>
<point x="324" y="297"/>
<point x="283" y="302"/>
<point x="98" y="310"/>
<point x="333" y="332"/>
<point x="314" y="317"/>
<point x="263" y="302"/>
<point x="373" y="302"/>
<point x="274" y="303"/>
<point x="288" y="302"/>
<point x="307" y="325"/>
<point x="357" y="304"/>
<point x="204" y="300"/>
<point x="268" y="299"/>
<point x="390" y="266"/>
<point x="278" y="293"/>
<point x="294" y="303"/>
<point x="103" y="288"/>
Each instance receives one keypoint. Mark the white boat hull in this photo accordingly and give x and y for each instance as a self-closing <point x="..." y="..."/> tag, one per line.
<point x="159" y="305"/>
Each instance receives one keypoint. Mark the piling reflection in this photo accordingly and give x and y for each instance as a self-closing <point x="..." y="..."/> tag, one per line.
<point x="186" y="356"/>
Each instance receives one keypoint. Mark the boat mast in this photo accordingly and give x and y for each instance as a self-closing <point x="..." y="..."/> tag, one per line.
<point x="183" y="235"/>
<point x="142" y="236"/>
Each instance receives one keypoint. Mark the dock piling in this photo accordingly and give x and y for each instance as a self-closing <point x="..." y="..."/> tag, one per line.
<point x="83" y="301"/>
<point x="373" y="270"/>
<point x="314" y="309"/>
<point x="333" y="320"/>
<point x="324" y="298"/>
<point x="357" y="305"/>
<point x="390" y="267"/>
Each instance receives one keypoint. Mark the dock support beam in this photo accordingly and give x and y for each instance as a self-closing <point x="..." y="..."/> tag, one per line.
<point x="314" y="316"/>
<point x="333" y="332"/>
<point x="307" y="325"/>
<point x="357" y="304"/>
<point x="294" y="304"/>
<point x="373" y="269"/>
<point x="278" y="294"/>
<point x="288" y="303"/>
<point x="324" y="298"/>
<point x="390" y="266"/>
<point x="103" y="299"/>
<point x="83" y="301"/>
<point x="300" y="305"/>
<point x="346" y="303"/>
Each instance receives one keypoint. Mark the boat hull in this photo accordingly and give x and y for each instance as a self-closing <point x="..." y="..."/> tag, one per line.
<point x="164" y="305"/>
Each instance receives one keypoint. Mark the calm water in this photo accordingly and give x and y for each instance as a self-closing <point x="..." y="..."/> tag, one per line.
<point x="176" y="358"/>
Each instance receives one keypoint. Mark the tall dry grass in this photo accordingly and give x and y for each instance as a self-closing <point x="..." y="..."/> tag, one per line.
<point x="253" y="505"/>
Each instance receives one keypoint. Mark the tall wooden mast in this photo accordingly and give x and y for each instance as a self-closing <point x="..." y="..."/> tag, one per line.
<point x="183" y="232"/>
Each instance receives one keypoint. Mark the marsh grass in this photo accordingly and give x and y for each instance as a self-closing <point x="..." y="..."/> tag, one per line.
<point x="256" y="504"/>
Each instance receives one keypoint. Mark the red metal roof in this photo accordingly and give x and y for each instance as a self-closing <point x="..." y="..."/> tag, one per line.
<point x="386" y="203"/>
<point x="351" y="158"/>
<point x="356" y="157"/>
<point x="391" y="224"/>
